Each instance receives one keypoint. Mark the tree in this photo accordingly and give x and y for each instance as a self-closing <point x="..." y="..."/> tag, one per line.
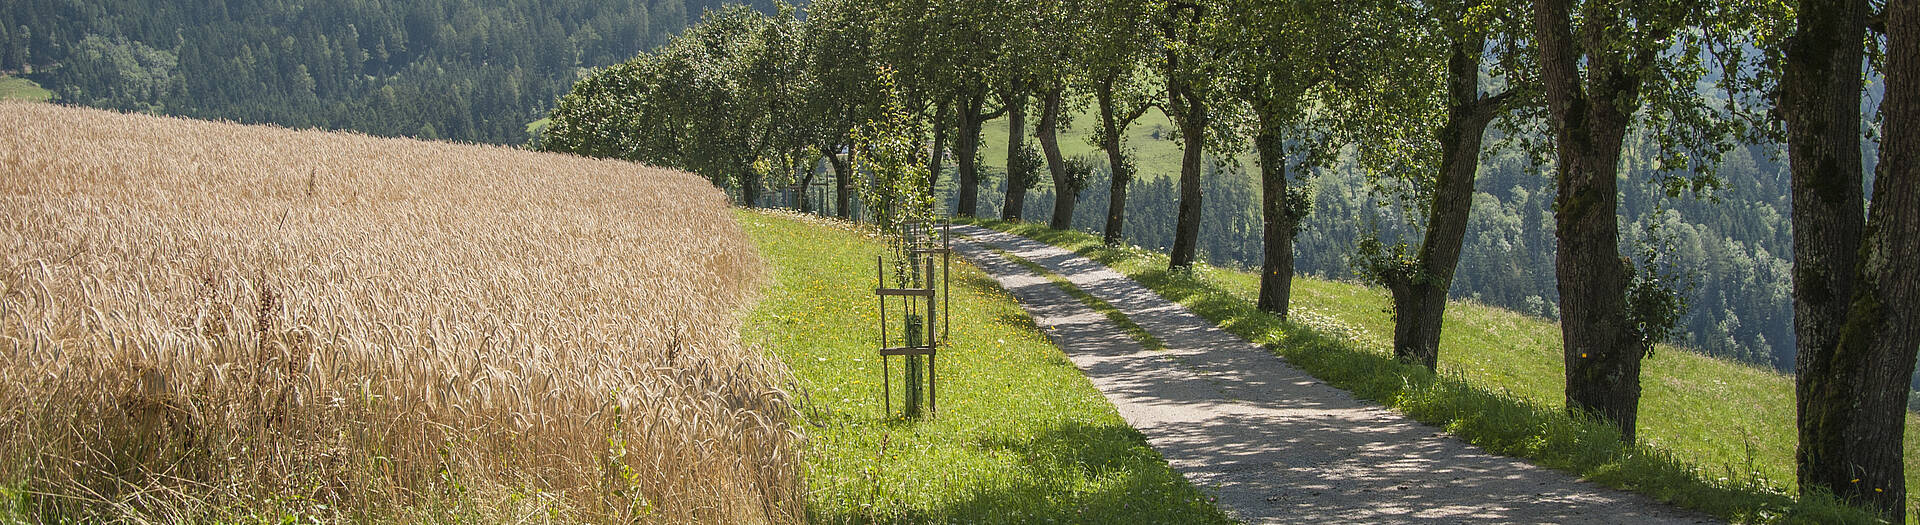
<point x="942" y="123"/>
<point x="477" y="70"/>
<point x="772" y="77"/>
<point x="889" y="148"/>
<point x="951" y="51"/>
<point x="1190" y="75"/>
<point x="1058" y="22"/>
<point x="719" y="101"/>
<point x="841" y="60"/>
<point x="973" y="115"/>
<point x="1113" y="50"/>
<point x="1453" y="36"/>
<point x="1021" y="174"/>
<point x="1066" y="186"/>
<point x="1280" y="60"/>
<point x="1630" y="57"/>
<point x="1033" y="63"/>
<point x="1856" y="302"/>
<point x="898" y="194"/>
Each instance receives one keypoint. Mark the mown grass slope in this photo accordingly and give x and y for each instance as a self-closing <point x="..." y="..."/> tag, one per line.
<point x="1151" y="142"/>
<point x="1155" y="151"/>
<point x="209" y="322"/>
<point x="16" y="88"/>
<point x="1716" y="434"/>
<point x="1021" y="436"/>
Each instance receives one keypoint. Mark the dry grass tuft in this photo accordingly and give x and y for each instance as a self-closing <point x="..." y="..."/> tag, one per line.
<point x="206" y="321"/>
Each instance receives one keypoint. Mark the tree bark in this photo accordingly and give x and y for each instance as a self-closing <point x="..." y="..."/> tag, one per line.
<point x="749" y="186"/>
<point x="1820" y="102"/>
<point x="842" y="182"/>
<point x="967" y="148"/>
<point x="1016" y="143"/>
<point x="806" y="183"/>
<point x="1884" y="320"/>
<point x="1420" y="299"/>
<point x="1276" y="268"/>
<point x="1601" y="346"/>
<point x="1119" y="175"/>
<point x="1189" y="112"/>
<point x="1856" y="304"/>
<point x="935" y="161"/>
<point x="1186" y="235"/>
<point x="1065" y="192"/>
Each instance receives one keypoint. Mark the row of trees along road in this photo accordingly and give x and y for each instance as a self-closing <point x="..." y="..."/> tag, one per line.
<point x="1405" y="91"/>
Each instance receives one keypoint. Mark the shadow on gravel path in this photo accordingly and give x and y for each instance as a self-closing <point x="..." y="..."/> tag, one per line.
<point x="1274" y="444"/>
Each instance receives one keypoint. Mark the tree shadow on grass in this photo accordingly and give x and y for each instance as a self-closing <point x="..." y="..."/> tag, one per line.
<point x="1074" y="472"/>
<point x="1080" y="473"/>
<point x="980" y="283"/>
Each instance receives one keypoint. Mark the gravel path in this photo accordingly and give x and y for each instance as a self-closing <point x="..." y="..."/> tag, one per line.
<point x="1273" y="443"/>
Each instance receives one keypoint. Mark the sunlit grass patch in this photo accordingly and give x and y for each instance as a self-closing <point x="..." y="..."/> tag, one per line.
<point x="1021" y="436"/>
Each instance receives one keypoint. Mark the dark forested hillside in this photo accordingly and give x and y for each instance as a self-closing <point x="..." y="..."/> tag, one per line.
<point x="475" y="70"/>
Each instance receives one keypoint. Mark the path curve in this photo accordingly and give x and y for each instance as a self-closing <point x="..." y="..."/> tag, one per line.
<point x="1274" y="444"/>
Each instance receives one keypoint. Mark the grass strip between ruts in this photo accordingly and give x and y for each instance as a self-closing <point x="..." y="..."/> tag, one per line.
<point x="1133" y="330"/>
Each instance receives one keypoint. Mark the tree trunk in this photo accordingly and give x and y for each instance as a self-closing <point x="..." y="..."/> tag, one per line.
<point x="806" y="183"/>
<point x="749" y="187"/>
<point x="935" y="161"/>
<point x="1189" y="112"/>
<point x="1120" y="173"/>
<point x="842" y="182"/>
<point x="1420" y="301"/>
<point x="1276" y="268"/>
<point x="1193" y="125"/>
<point x="805" y="197"/>
<point x="1601" y="347"/>
<point x="1856" y="304"/>
<point x="1016" y="143"/>
<point x="1883" y="323"/>
<point x="1820" y="102"/>
<point x="1065" y="192"/>
<point x="967" y="148"/>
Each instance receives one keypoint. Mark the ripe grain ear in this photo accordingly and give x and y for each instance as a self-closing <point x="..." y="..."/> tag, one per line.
<point x="198" y="324"/>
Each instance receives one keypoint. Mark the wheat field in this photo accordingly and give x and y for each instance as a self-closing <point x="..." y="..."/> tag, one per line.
<point x="207" y="321"/>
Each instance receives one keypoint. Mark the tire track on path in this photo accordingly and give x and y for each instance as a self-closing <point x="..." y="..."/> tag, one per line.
<point x="1274" y="444"/>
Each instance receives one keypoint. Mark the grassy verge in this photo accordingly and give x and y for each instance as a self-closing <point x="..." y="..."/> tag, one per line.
<point x="16" y="88"/>
<point x="1716" y="435"/>
<point x="1021" y="436"/>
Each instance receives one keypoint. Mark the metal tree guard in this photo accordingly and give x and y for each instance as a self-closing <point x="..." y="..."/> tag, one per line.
<point x="917" y="285"/>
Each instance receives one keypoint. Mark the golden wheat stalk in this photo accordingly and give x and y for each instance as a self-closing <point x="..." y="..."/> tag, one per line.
<point x="199" y="319"/>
